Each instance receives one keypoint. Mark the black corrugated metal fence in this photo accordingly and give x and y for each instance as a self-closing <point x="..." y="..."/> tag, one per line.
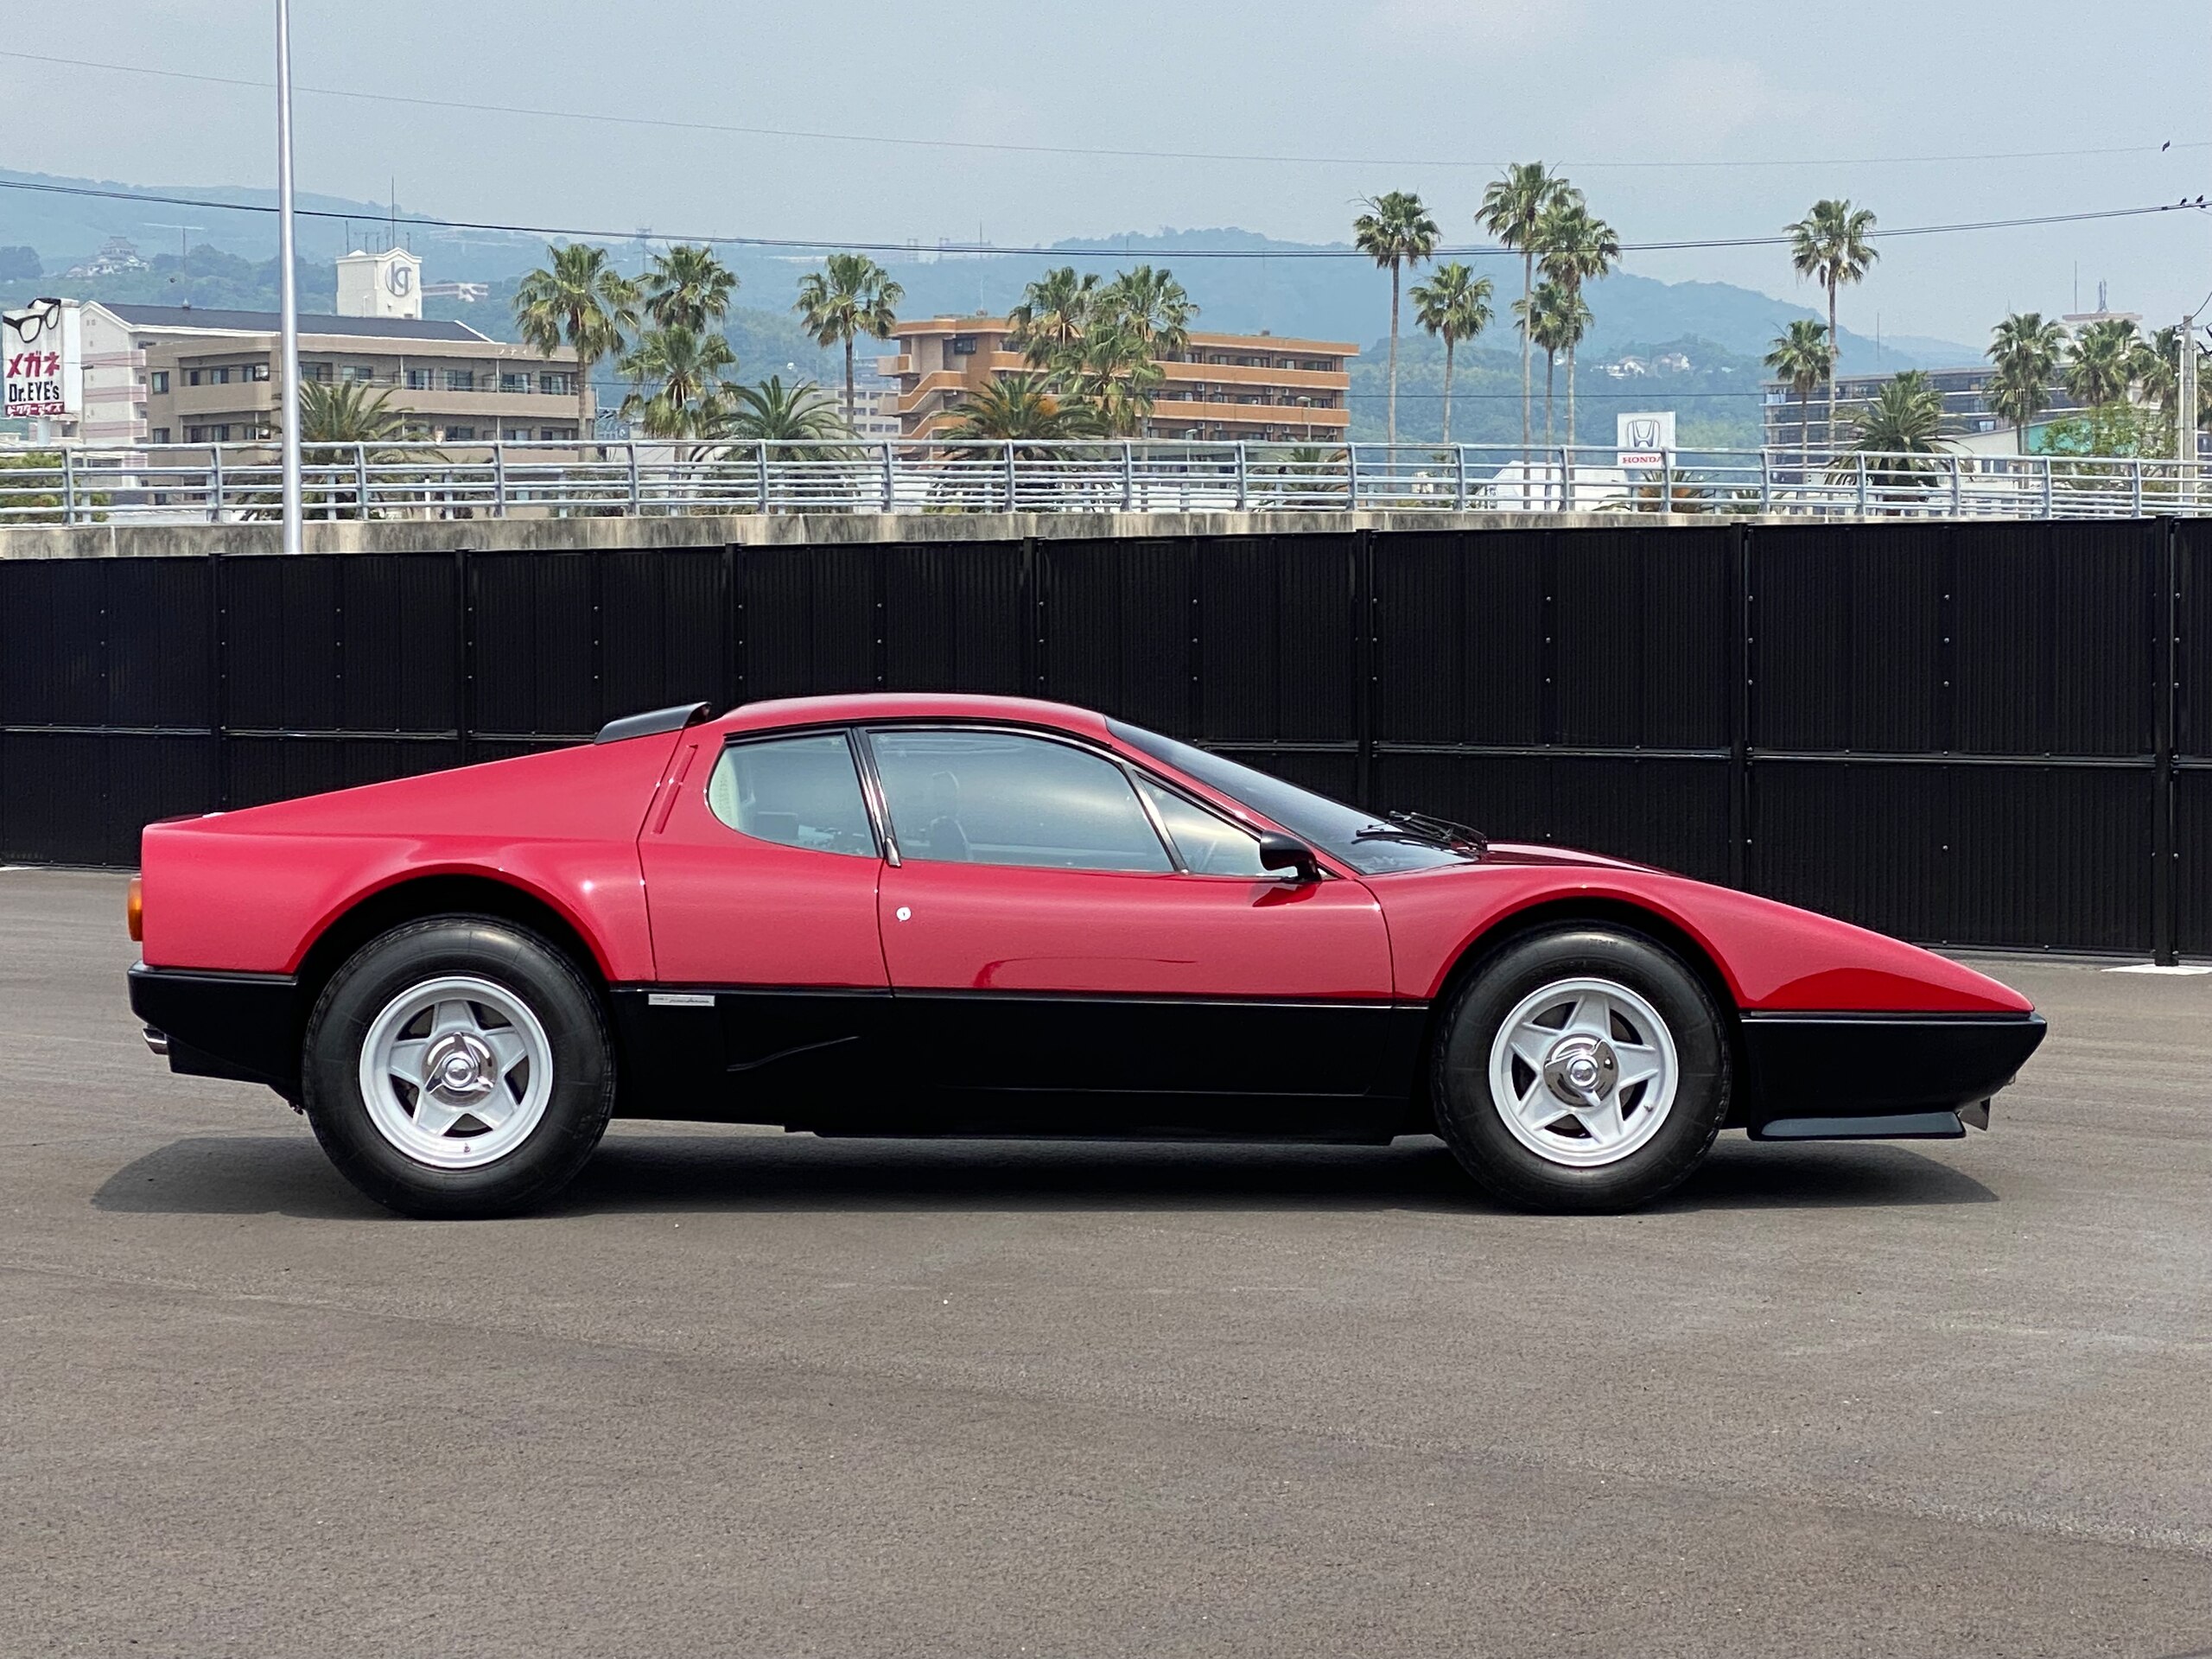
<point x="1979" y="735"/>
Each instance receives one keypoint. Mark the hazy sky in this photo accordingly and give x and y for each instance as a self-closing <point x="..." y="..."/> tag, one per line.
<point x="1421" y="94"/>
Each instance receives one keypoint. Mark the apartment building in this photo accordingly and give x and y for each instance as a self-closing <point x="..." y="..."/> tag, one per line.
<point x="1257" y="388"/>
<point x="158" y="374"/>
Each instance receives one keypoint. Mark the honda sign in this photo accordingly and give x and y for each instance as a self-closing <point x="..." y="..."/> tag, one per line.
<point x="1646" y="440"/>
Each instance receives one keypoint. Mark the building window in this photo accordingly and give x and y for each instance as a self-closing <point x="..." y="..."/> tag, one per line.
<point x="160" y="377"/>
<point x="160" y="435"/>
<point x="460" y="433"/>
<point x="359" y="374"/>
<point x="514" y="383"/>
<point x="418" y="379"/>
<point x="318" y="372"/>
<point x="964" y="345"/>
<point x="555" y="386"/>
<point x="461" y="380"/>
<point x="192" y="377"/>
<point x="257" y="371"/>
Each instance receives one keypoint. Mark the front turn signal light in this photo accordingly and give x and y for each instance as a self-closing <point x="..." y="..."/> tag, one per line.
<point x="134" y="909"/>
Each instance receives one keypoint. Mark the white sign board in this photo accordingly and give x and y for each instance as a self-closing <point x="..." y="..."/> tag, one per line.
<point x="1646" y="440"/>
<point x="41" y="348"/>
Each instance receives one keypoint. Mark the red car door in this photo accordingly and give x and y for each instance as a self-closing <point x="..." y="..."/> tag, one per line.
<point x="760" y="864"/>
<point x="1072" y="945"/>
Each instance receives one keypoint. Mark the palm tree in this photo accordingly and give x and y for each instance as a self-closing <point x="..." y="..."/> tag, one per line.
<point x="1555" y="321"/>
<point x="1153" y="307"/>
<point x="1513" y="206"/>
<point x="1575" y="247"/>
<point x="688" y="288"/>
<point x="778" y="413"/>
<point x="1019" y="406"/>
<point x="579" y="300"/>
<point x="347" y="413"/>
<point x="685" y="369"/>
<point x="1453" y="305"/>
<point x="1054" y="313"/>
<point x="2156" y="364"/>
<point x="1829" y="245"/>
<point x="1113" y="374"/>
<point x="2100" y="364"/>
<point x="1902" y="421"/>
<point x="2024" y="350"/>
<point x="1394" y="231"/>
<point x="850" y="296"/>
<point x="1802" y="357"/>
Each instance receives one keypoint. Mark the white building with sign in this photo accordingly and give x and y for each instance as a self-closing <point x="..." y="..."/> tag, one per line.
<point x="387" y="285"/>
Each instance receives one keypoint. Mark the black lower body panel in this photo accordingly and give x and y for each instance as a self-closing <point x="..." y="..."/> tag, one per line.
<point x="245" y="1026"/>
<point x="1861" y="1075"/>
<point x="870" y="1062"/>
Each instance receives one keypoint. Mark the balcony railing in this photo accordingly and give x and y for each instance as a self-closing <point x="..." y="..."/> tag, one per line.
<point x="229" y="483"/>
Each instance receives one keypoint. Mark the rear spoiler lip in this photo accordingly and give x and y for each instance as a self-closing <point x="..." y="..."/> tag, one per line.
<point x="652" y="722"/>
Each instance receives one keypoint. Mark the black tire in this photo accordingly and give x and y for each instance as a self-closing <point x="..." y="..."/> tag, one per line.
<point x="1473" y="1120"/>
<point x="576" y="1106"/>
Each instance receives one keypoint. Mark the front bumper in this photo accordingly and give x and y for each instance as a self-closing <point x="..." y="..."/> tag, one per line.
<point x="245" y="1026"/>
<point x="1822" y="1076"/>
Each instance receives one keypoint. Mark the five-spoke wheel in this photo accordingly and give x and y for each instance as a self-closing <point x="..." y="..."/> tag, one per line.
<point x="1580" y="1068"/>
<point x="459" y="1066"/>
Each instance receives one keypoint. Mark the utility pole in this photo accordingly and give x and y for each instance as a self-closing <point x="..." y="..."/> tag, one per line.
<point x="288" y="282"/>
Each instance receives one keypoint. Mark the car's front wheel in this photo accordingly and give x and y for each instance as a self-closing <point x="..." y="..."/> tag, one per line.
<point x="1581" y="1069"/>
<point x="458" y="1066"/>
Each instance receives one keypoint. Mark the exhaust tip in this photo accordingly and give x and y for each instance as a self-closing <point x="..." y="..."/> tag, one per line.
<point x="158" y="1041"/>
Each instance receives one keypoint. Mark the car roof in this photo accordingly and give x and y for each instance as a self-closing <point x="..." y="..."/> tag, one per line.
<point x="863" y="706"/>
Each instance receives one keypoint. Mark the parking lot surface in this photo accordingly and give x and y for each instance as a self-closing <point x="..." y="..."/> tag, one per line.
<point x="749" y="1393"/>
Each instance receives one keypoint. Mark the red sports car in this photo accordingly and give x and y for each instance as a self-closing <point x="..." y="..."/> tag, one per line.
<point x="912" y="915"/>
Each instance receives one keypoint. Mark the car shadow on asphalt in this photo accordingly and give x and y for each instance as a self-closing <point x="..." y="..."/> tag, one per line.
<point x="636" y="1169"/>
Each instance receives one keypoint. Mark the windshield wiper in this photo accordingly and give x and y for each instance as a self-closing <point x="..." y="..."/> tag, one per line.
<point x="1440" y="832"/>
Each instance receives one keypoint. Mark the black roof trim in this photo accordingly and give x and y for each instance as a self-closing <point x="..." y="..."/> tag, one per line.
<point x="673" y="718"/>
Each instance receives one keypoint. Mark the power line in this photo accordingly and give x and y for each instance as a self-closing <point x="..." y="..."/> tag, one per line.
<point x="913" y="249"/>
<point x="813" y="135"/>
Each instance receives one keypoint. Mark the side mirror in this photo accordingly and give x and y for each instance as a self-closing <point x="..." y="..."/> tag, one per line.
<point x="1287" y="853"/>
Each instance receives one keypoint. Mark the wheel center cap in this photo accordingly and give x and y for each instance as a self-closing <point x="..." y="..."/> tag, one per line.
<point x="459" y="1067"/>
<point x="1581" y="1069"/>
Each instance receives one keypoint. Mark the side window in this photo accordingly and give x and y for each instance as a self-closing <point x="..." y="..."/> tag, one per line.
<point x="998" y="798"/>
<point x="1209" y="846"/>
<point x="797" y="792"/>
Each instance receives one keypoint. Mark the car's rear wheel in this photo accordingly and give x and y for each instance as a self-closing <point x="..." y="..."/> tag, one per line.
<point x="1581" y="1069"/>
<point x="458" y="1066"/>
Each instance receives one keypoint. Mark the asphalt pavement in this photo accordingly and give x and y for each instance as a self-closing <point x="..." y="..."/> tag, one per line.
<point x="747" y="1393"/>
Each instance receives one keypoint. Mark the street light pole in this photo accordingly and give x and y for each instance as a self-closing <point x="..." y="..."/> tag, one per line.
<point x="287" y="282"/>
<point x="2185" y="412"/>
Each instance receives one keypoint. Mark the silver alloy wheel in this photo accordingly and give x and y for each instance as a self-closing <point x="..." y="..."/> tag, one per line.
<point x="1583" y="1071"/>
<point x="456" y="1071"/>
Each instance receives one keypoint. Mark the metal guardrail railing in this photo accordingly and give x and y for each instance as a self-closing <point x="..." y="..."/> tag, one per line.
<point x="237" y="483"/>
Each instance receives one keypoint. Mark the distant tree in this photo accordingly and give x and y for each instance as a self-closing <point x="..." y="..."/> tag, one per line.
<point x="688" y="288"/>
<point x="1020" y="406"/>
<point x="2024" y="350"/>
<point x="346" y="412"/>
<point x="1113" y="374"/>
<point x="1513" y="206"/>
<point x="1556" y="321"/>
<point x="1394" y="231"/>
<point x="20" y="264"/>
<point x="1901" y="425"/>
<point x="778" y="413"/>
<point x="579" y="300"/>
<point x="850" y="296"/>
<point x="1829" y="245"/>
<point x="1575" y="247"/>
<point x="1152" y="308"/>
<point x="1454" y="305"/>
<point x="1802" y="357"/>
<point x="1054" y="313"/>
<point x="686" y="371"/>
<point x="2101" y="362"/>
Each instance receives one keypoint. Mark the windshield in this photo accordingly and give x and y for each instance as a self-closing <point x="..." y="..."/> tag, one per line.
<point x="1370" y="845"/>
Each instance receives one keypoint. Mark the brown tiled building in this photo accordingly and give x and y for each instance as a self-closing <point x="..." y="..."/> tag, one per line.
<point x="1254" y="387"/>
